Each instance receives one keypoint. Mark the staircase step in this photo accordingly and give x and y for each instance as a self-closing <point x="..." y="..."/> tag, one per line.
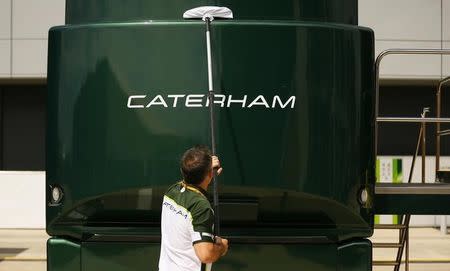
<point x="385" y="263"/>
<point x="390" y="226"/>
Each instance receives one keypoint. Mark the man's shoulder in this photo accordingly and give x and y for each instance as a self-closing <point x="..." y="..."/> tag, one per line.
<point x="174" y="188"/>
<point x="189" y="199"/>
<point x="195" y="200"/>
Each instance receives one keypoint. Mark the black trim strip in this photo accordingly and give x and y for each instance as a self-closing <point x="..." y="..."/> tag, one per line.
<point x="124" y="238"/>
<point x="207" y="237"/>
<point x="278" y="240"/>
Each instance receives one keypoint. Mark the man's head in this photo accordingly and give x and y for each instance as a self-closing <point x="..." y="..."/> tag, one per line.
<point x="196" y="165"/>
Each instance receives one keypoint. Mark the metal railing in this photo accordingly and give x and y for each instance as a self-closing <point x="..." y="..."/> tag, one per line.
<point x="380" y="57"/>
<point x="423" y="120"/>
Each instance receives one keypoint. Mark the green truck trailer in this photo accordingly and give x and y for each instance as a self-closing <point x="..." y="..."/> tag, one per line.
<point x="295" y="103"/>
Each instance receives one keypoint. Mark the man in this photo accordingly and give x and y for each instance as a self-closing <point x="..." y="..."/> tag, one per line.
<point x="187" y="219"/>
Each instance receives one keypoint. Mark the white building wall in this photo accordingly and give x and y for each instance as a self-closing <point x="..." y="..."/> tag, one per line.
<point x="22" y="199"/>
<point x="5" y="38"/>
<point x="409" y="24"/>
<point x="24" y="26"/>
<point x="446" y="33"/>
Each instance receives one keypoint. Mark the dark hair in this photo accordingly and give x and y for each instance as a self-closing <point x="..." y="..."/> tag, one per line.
<point x="196" y="164"/>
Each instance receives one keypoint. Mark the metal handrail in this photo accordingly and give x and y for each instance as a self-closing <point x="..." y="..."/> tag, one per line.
<point x="418" y="120"/>
<point x="438" y="125"/>
<point x="377" y="76"/>
<point x="444" y="132"/>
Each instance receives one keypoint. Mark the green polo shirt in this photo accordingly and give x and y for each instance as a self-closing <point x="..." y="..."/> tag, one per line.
<point x="186" y="219"/>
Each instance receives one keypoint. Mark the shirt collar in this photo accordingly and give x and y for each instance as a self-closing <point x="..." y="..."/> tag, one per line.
<point x="194" y="188"/>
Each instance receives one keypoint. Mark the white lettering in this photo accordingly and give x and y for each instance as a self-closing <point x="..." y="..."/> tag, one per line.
<point x="278" y="99"/>
<point x="243" y="101"/>
<point x="194" y="100"/>
<point x="158" y="100"/>
<point x="220" y="101"/>
<point x="257" y="102"/>
<point x="175" y="99"/>
<point x="130" y="99"/>
<point x="202" y="100"/>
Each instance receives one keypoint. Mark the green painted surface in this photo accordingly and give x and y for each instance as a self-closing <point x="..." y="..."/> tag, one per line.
<point x="119" y="257"/>
<point x="114" y="256"/>
<point x="136" y="257"/>
<point x="88" y="11"/>
<point x="355" y="256"/>
<point x="278" y="256"/>
<point x="302" y="168"/>
<point x="397" y="171"/>
<point x="63" y="255"/>
<point x="289" y="172"/>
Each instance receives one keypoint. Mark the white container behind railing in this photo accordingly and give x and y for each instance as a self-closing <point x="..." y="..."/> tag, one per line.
<point x="22" y="199"/>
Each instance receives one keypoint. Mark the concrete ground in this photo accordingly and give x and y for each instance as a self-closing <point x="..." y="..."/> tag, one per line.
<point x="425" y="244"/>
<point x="24" y="250"/>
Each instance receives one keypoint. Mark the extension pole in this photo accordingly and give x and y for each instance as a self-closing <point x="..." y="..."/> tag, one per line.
<point x="212" y="125"/>
<point x="207" y="14"/>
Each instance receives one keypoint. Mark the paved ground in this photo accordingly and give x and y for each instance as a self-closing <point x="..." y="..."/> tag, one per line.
<point x="425" y="244"/>
<point x="24" y="250"/>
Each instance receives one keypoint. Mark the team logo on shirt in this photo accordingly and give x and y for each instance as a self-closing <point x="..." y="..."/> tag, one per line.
<point x="175" y="210"/>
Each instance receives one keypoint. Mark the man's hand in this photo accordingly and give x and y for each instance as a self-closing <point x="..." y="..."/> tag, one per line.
<point x="223" y="243"/>
<point x="216" y="164"/>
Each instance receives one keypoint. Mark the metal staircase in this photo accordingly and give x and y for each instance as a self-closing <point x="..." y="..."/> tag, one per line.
<point x="403" y="227"/>
<point x="403" y="243"/>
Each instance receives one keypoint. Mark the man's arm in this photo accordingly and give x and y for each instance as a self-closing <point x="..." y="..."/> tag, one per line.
<point x="209" y="252"/>
<point x="208" y="248"/>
